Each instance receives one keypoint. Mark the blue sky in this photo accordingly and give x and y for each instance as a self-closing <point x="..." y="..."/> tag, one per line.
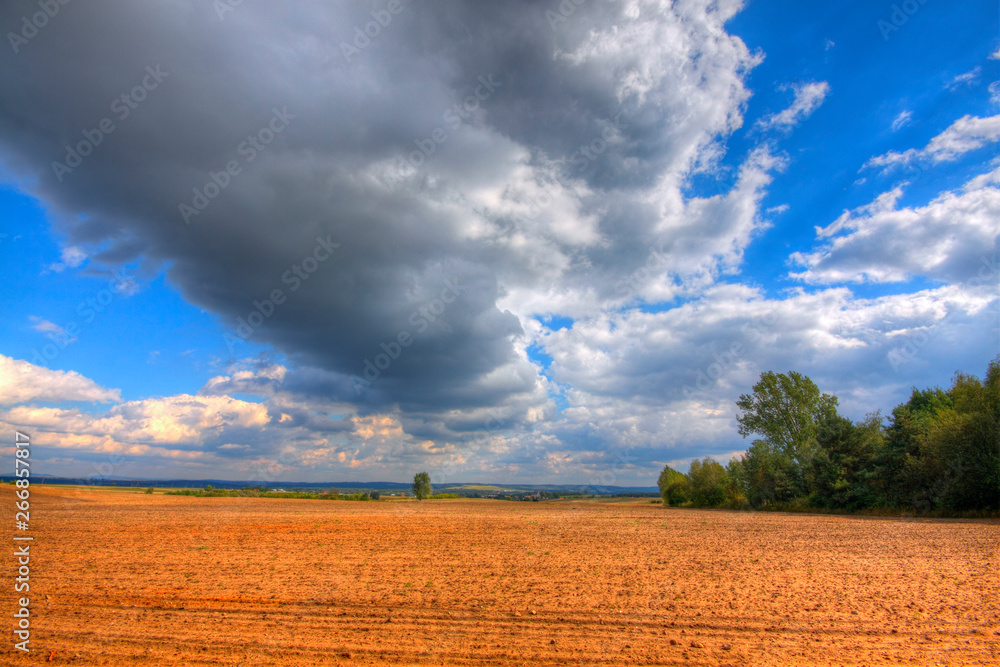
<point x="729" y="136"/>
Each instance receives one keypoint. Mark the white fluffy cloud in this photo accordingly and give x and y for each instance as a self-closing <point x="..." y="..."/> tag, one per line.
<point x="950" y="239"/>
<point x="212" y="433"/>
<point x="664" y="385"/>
<point x="72" y="257"/>
<point x="22" y="382"/>
<point x="966" y="134"/>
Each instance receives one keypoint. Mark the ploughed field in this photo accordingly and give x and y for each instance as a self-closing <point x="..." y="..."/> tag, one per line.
<point x="132" y="579"/>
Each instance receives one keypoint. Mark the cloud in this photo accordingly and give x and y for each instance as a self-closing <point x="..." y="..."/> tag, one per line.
<point x="428" y="198"/>
<point x="902" y="120"/>
<point x="22" y="382"/>
<point x="948" y="240"/>
<point x="72" y="257"/>
<point x="213" y="433"/>
<point x="517" y="202"/>
<point x="663" y="385"/>
<point x="808" y="98"/>
<point x="47" y="327"/>
<point x="964" y="80"/>
<point x="966" y="134"/>
<point x="641" y="390"/>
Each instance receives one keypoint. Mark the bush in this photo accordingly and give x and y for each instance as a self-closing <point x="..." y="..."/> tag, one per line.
<point x="708" y="481"/>
<point x="673" y="487"/>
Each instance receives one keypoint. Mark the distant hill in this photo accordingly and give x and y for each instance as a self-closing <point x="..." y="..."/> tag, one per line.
<point x="466" y="489"/>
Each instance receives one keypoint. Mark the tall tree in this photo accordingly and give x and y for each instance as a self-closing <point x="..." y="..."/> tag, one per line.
<point x="786" y="410"/>
<point x="965" y="439"/>
<point x="422" y="485"/>
<point x="841" y="473"/>
<point x="909" y="472"/>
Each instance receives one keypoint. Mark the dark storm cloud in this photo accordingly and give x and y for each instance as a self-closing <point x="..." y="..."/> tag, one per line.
<point x="245" y="152"/>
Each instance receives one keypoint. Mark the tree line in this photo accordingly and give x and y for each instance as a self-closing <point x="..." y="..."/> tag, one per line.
<point x="939" y="452"/>
<point x="258" y="492"/>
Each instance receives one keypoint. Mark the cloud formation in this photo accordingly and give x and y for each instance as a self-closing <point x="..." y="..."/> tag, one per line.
<point x="902" y="120"/>
<point x="808" y="98"/>
<point x="478" y="237"/>
<point x="22" y="382"/>
<point x="511" y="192"/>
<point x="966" y="134"/>
<point x="948" y="240"/>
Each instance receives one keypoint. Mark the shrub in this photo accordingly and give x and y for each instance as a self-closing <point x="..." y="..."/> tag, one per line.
<point x="673" y="487"/>
<point x="708" y="483"/>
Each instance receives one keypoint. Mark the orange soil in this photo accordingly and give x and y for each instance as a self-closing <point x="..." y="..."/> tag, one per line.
<point x="132" y="579"/>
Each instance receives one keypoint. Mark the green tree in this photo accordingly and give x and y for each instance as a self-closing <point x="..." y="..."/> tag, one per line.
<point x="736" y="487"/>
<point x="709" y="481"/>
<point x="786" y="410"/>
<point x="673" y="486"/>
<point x="964" y="442"/>
<point x="910" y="473"/>
<point x="842" y="470"/>
<point x="422" y="485"/>
<point x="770" y="476"/>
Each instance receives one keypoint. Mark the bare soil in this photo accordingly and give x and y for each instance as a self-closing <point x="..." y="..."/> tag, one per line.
<point x="133" y="579"/>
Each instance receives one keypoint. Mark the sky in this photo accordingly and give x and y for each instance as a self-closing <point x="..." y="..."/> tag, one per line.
<point x="534" y="242"/>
